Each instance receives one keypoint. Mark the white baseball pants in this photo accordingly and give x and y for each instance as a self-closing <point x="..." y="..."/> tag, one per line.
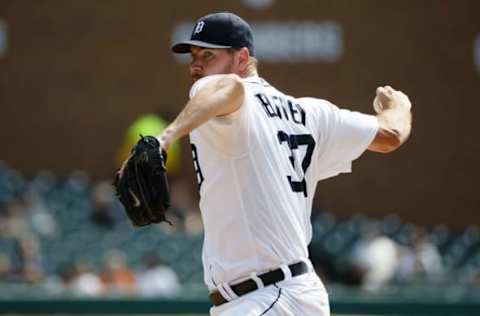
<point x="303" y="295"/>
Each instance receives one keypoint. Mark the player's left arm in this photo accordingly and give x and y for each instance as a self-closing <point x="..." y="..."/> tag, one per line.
<point x="220" y="96"/>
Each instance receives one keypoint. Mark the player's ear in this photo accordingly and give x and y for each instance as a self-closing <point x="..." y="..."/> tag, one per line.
<point x="243" y="58"/>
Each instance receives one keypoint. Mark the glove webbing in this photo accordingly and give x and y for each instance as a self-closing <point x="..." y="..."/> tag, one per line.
<point x="152" y="216"/>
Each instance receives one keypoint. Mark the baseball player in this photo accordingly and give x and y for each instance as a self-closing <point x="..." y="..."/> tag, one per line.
<point x="258" y="154"/>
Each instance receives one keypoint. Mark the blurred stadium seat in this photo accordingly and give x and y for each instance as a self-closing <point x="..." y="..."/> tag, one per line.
<point x="67" y="205"/>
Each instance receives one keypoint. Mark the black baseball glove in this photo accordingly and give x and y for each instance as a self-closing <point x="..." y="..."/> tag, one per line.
<point x="141" y="185"/>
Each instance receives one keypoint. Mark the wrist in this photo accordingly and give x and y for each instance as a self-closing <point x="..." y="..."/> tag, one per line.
<point x="166" y="138"/>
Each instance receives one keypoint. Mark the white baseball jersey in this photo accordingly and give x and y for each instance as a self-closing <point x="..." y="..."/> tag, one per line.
<point x="257" y="170"/>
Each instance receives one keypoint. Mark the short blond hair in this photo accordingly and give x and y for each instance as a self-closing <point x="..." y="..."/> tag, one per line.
<point x="252" y="64"/>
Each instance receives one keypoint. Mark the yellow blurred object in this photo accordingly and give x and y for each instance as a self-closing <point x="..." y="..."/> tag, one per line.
<point x="149" y="124"/>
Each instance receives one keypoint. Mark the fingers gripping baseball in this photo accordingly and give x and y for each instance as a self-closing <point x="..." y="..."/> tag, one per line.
<point x="388" y="98"/>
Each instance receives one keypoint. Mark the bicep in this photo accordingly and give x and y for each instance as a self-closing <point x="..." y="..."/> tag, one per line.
<point x="224" y="94"/>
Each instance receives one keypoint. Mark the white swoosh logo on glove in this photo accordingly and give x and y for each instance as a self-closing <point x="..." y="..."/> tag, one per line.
<point x="136" y="202"/>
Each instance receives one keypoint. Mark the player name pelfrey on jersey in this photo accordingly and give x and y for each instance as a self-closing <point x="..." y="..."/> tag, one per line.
<point x="279" y="107"/>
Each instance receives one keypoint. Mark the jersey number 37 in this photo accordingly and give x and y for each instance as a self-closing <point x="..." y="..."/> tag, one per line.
<point x="294" y="142"/>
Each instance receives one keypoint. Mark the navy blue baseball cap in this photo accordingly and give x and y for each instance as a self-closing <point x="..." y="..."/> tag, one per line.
<point x="218" y="30"/>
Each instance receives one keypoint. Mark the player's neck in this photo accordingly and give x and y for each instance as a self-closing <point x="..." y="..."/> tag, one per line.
<point x="249" y="72"/>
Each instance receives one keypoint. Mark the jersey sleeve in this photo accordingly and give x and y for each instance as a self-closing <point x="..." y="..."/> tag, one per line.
<point x="343" y="136"/>
<point x="227" y="134"/>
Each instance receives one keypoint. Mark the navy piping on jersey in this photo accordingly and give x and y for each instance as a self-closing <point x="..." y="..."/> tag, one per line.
<point x="276" y="300"/>
<point x="259" y="83"/>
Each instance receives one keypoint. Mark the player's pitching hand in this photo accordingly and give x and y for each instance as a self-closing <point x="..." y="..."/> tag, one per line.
<point x="388" y="98"/>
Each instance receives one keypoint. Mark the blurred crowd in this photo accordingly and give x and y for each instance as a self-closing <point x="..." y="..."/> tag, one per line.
<point x="151" y="279"/>
<point x="43" y="211"/>
<point x="74" y="233"/>
<point x="372" y="253"/>
<point x="21" y="258"/>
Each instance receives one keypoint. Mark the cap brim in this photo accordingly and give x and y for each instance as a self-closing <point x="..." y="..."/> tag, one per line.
<point x="184" y="47"/>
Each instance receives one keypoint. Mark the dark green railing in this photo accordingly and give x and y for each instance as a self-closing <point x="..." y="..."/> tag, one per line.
<point x="149" y="306"/>
<point x="411" y="299"/>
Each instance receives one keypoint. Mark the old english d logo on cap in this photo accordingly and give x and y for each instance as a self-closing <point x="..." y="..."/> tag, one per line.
<point x="199" y="27"/>
<point x="218" y="30"/>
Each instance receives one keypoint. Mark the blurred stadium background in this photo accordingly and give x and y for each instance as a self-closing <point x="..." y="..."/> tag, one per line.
<point x="400" y="236"/>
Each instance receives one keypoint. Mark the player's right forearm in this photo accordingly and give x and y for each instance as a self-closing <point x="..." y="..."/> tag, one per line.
<point x="394" y="119"/>
<point x="219" y="97"/>
<point x="395" y="124"/>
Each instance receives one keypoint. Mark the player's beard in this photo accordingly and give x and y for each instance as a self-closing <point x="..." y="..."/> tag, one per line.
<point x="229" y="68"/>
<point x="226" y="69"/>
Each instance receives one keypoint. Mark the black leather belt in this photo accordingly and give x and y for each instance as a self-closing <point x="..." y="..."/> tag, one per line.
<point x="267" y="278"/>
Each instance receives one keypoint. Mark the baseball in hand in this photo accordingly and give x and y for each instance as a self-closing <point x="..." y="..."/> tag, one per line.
<point x="387" y="97"/>
<point x="377" y="106"/>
